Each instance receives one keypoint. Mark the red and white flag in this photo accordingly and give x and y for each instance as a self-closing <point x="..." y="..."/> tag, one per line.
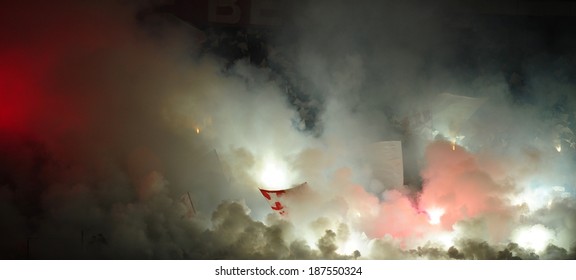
<point x="278" y="198"/>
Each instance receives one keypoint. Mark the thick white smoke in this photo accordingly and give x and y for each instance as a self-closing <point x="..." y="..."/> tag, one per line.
<point x="127" y="139"/>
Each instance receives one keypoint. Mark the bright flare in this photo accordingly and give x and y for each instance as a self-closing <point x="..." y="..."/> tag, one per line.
<point x="539" y="197"/>
<point x="435" y="215"/>
<point x="558" y="147"/>
<point x="274" y="175"/>
<point x="444" y="239"/>
<point x="536" y="237"/>
<point x="197" y="130"/>
<point x="356" y="241"/>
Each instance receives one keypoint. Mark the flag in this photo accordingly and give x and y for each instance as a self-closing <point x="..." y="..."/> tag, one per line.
<point x="277" y="198"/>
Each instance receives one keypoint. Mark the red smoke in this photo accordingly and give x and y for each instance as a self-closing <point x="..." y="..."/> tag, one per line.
<point x="456" y="188"/>
<point x="19" y="93"/>
<point x="38" y="40"/>
<point x="464" y="189"/>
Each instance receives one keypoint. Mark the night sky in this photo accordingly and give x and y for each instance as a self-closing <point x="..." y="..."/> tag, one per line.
<point x="288" y="129"/>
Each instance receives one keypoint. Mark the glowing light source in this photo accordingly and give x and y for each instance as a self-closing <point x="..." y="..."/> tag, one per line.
<point x="457" y="141"/>
<point x="356" y="241"/>
<point x="274" y="174"/>
<point x="197" y="130"/>
<point x="536" y="237"/>
<point x="443" y="239"/>
<point x="558" y="147"/>
<point x="435" y="215"/>
<point x="539" y="197"/>
<point x="447" y="240"/>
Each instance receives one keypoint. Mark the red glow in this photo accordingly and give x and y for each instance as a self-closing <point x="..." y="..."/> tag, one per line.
<point x="398" y="218"/>
<point x="17" y="100"/>
<point x="27" y="104"/>
<point x="41" y="40"/>
<point x="458" y="186"/>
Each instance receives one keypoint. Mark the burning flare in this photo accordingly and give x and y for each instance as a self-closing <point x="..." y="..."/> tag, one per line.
<point x="435" y="215"/>
<point x="274" y="174"/>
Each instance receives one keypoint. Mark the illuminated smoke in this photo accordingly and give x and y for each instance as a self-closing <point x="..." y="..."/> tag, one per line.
<point x="124" y="139"/>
